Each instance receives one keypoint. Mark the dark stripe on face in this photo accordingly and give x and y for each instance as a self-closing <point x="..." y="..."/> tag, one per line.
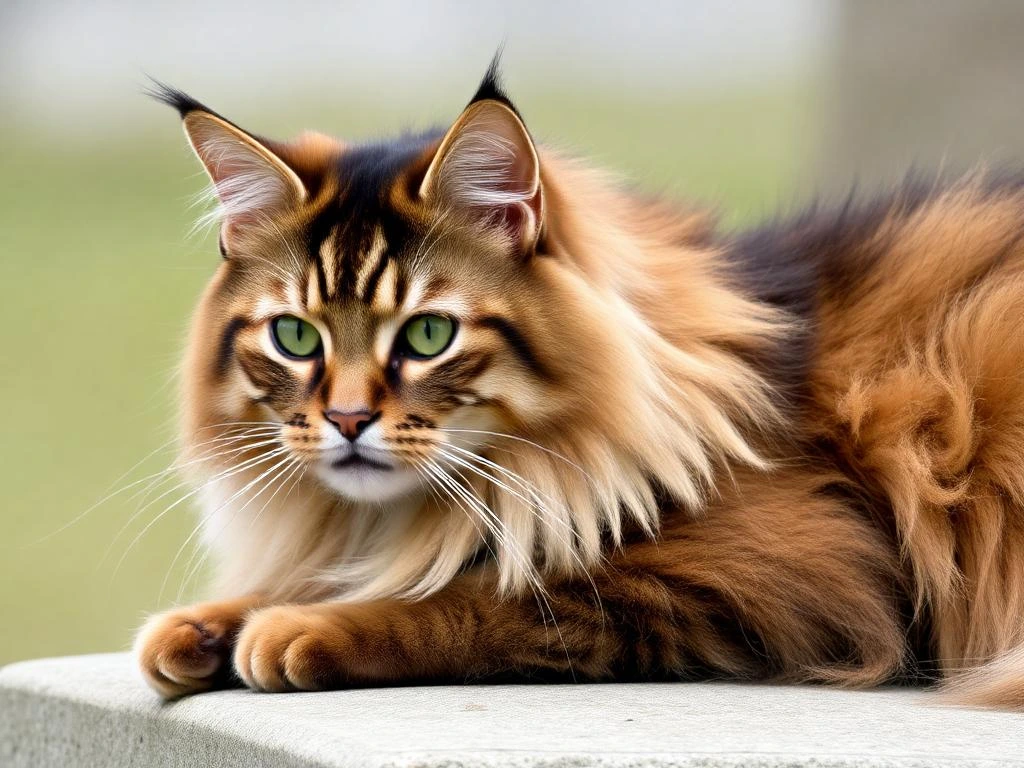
<point x="401" y="288"/>
<point x="393" y="373"/>
<point x="517" y="343"/>
<point x="371" y="282"/>
<point x="378" y="390"/>
<point x="319" y="231"/>
<point x="316" y="378"/>
<point x="321" y="275"/>
<point x="226" y="346"/>
<point x="366" y="175"/>
<point x="461" y="369"/>
<point x="273" y="378"/>
<point x="348" y="268"/>
<point x="354" y="239"/>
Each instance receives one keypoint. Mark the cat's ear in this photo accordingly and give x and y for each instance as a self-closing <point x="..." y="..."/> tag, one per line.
<point x="487" y="165"/>
<point x="252" y="184"/>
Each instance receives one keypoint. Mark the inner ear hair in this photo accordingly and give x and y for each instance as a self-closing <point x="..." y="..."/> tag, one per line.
<point x="250" y="182"/>
<point x="488" y="166"/>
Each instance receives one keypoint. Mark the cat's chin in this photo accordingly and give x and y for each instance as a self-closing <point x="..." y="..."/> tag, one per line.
<point x="368" y="482"/>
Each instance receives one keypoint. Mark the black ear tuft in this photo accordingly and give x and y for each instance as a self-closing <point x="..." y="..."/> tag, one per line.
<point x="491" y="88"/>
<point x="172" y="97"/>
<point x="181" y="101"/>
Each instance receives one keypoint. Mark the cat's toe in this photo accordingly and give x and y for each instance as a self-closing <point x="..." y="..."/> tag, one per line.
<point x="287" y="649"/>
<point x="180" y="653"/>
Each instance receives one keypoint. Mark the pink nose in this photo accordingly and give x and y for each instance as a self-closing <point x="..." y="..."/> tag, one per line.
<point x="351" y="423"/>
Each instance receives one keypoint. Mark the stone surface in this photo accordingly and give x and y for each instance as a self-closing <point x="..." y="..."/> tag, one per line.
<point x="95" y="711"/>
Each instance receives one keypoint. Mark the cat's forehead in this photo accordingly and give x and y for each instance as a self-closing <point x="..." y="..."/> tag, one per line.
<point x="360" y="237"/>
<point x="359" y="265"/>
<point x="367" y="251"/>
<point x="371" y="244"/>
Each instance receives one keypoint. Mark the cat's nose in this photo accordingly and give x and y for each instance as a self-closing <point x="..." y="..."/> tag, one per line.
<point x="351" y="423"/>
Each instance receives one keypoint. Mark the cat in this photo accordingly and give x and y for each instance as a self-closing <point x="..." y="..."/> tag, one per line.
<point x="462" y="408"/>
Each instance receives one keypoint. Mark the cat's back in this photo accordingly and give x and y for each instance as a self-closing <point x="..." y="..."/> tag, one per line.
<point x="913" y="363"/>
<point x="923" y="283"/>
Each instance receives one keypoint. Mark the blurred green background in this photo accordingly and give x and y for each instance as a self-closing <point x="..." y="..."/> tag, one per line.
<point x="736" y="105"/>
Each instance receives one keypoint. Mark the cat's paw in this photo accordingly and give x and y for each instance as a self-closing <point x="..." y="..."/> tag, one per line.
<point x="185" y="650"/>
<point x="292" y="648"/>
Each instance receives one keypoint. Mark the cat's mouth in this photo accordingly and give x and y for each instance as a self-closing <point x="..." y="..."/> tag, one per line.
<point x="358" y="461"/>
<point x="368" y="475"/>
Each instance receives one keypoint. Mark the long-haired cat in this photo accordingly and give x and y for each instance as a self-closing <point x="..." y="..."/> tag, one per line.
<point x="461" y="408"/>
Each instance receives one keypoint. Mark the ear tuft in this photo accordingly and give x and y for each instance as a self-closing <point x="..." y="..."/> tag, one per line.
<point x="488" y="167"/>
<point x="172" y="97"/>
<point x="250" y="182"/>
<point x="491" y="88"/>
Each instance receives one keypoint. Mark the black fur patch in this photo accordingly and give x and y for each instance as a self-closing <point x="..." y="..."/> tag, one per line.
<point x="179" y="100"/>
<point x="491" y="89"/>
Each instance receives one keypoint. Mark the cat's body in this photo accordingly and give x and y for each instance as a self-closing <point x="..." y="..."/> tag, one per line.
<point x="633" y="448"/>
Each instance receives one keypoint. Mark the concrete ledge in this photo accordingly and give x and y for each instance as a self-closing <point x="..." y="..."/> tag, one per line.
<point x="94" y="711"/>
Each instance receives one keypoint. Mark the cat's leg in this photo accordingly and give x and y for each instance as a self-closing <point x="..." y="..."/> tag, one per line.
<point x="461" y="633"/>
<point x="188" y="650"/>
<point x="781" y="579"/>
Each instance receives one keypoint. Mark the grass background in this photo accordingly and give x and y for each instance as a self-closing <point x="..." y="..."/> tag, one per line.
<point x="99" y="276"/>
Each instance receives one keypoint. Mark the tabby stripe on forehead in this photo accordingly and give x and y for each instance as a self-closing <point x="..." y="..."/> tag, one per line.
<point x="401" y="289"/>
<point x="373" y="279"/>
<point x="372" y="267"/>
<point x="517" y="343"/>
<point x="314" y="297"/>
<point x="321" y="277"/>
<point x="329" y="264"/>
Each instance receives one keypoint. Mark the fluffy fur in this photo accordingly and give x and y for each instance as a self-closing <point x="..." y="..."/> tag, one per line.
<point x="651" y="451"/>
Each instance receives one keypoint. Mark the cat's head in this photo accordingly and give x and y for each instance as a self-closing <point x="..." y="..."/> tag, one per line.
<point x="442" y="317"/>
<point x="376" y="300"/>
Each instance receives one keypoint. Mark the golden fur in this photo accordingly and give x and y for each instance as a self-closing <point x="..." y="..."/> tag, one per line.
<point x="651" y="451"/>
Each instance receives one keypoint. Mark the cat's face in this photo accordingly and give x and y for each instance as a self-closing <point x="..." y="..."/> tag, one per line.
<point x="380" y="305"/>
<point x="381" y="355"/>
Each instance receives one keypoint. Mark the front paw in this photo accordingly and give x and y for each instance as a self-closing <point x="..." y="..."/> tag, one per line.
<point x="292" y="648"/>
<point x="185" y="650"/>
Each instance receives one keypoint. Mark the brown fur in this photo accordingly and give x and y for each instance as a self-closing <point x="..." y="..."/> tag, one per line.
<point x="793" y="455"/>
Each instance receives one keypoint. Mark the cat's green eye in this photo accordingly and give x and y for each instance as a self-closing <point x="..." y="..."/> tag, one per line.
<point x="428" y="335"/>
<point x="295" y="337"/>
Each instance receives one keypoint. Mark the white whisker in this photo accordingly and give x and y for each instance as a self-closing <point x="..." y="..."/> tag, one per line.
<point x="233" y="471"/>
<point x="292" y="462"/>
<point x="531" y="504"/>
<point x="160" y="476"/>
<point x="539" y="447"/>
<point x="509" y="544"/>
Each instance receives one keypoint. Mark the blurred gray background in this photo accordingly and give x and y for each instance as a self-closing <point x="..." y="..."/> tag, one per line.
<point x="751" y="107"/>
<point x="75" y="61"/>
